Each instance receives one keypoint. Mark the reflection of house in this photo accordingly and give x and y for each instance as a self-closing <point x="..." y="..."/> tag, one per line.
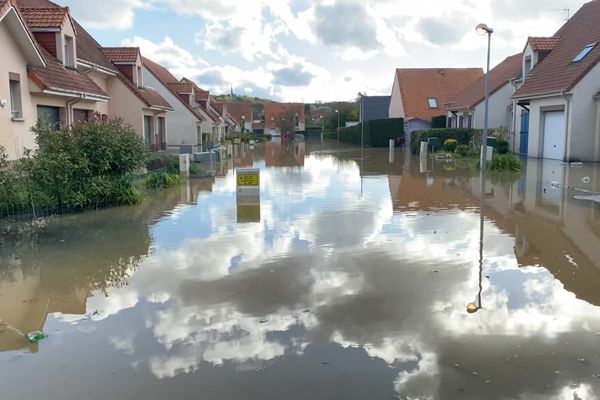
<point x="281" y="118"/>
<point x="289" y="154"/>
<point x="467" y="108"/>
<point x="561" y="81"/>
<point x="418" y="95"/>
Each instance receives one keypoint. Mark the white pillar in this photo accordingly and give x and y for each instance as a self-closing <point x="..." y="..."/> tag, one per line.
<point x="184" y="165"/>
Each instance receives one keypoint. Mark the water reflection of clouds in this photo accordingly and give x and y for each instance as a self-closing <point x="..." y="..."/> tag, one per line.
<point x="378" y="291"/>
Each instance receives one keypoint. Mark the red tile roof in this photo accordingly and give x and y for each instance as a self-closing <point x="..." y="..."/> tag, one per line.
<point x="167" y="79"/>
<point x="237" y="110"/>
<point x="148" y="96"/>
<point x="122" y="54"/>
<point x="179" y="87"/>
<point x="37" y="18"/>
<point x="474" y="94"/>
<point x="56" y="77"/>
<point x="557" y="72"/>
<point x="89" y="50"/>
<point x="417" y="85"/>
<point x="542" y="43"/>
<point x="275" y="111"/>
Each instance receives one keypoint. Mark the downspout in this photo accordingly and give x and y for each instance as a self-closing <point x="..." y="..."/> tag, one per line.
<point x="70" y="116"/>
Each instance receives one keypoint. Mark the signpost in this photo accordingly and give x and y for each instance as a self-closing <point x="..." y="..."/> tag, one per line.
<point x="248" y="195"/>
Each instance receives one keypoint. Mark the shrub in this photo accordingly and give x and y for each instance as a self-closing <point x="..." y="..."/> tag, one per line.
<point x="463" y="150"/>
<point x="504" y="163"/>
<point x="377" y="133"/>
<point x="502" y="147"/>
<point x="461" y="135"/>
<point x="439" y="122"/>
<point x="160" y="180"/>
<point x="161" y="161"/>
<point x="450" y="145"/>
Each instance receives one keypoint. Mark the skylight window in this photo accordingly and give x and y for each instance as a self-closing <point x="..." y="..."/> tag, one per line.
<point x="585" y="52"/>
<point x="432" y="102"/>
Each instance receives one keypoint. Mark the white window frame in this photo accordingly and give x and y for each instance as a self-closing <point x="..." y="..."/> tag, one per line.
<point x="16" y="103"/>
<point x="69" y="51"/>
<point x="432" y="103"/>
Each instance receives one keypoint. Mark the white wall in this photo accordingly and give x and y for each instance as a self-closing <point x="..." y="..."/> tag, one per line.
<point x="181" y="123"/>
<point x="582" y="119"/>
<point x="498" y="109"/>
<point x="124" y="104"/>
<point x="14" y="136"/>
<point x="396" y="105"/>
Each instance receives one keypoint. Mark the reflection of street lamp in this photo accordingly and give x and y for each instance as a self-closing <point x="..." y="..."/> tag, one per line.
<point x="483" y="29"/>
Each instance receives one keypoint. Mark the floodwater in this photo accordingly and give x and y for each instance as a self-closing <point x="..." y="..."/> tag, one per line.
<point x="349" y="279"/>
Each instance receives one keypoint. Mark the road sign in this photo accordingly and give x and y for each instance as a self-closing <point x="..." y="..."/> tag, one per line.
<point x="248" y="177"/>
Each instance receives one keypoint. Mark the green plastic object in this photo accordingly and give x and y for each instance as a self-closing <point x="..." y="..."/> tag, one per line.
<point x="36" y="336"/>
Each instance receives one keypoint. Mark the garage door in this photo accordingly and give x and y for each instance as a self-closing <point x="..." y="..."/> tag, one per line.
<point x="554" y="135"/>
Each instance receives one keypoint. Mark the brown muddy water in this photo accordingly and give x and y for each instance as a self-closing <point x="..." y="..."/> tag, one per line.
<point x="351" y="280"/>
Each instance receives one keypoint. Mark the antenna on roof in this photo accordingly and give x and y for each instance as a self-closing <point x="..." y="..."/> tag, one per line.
<point x="566" y="11"/>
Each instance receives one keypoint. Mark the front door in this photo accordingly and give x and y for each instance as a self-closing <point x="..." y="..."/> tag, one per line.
<point x="148" y="131"/>
<point x="554" y="135"/>
<point x="524" y="147"/>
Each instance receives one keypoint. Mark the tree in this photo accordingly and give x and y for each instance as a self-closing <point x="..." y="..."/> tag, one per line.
<point x="288" y="121"/>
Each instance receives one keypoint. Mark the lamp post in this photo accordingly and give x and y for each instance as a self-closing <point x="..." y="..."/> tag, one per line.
<point x="362" y="122"/>
<point x="483" y="29"/>
<point x="338" y="128"/>
<point x="243" y="123"/>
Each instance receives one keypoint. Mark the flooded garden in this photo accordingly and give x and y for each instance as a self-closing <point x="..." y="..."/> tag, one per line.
<point x="358" y="275"/>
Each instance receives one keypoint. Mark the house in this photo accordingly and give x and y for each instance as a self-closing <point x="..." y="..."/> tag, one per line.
<point x="282" y="118"/>
<point x="188" y="123"/>
<point x="467" y="108"/>
<point x="561" y="80"/>
<point x="242" y="112"/>
<point x="419" y="94"/>
<point x="231" y="123"/>
<point x="375" y="107"/>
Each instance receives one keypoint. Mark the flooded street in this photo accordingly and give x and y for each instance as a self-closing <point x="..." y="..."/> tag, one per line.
<point x="351" y="280"/>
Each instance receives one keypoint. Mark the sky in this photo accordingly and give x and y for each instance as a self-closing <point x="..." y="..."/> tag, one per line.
<point x="315" y="50"/>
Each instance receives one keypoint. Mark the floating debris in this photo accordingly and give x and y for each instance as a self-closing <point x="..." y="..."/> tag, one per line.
<point x="264" y="321"/>
<point x="457" y="365"/>
<point x="36" y="336"/>
<point x="586" y="180"/>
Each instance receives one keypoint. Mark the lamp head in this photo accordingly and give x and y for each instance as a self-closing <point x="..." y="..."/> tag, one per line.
<point x="472" y="308"/>
<point x="483" y="29"/>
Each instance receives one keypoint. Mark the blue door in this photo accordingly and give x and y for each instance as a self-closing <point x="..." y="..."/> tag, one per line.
<point x="524" y="133"/>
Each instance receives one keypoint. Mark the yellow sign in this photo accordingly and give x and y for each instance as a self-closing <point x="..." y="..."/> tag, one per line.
<point x="248" y="213"/>
<point x="248" y="178"/>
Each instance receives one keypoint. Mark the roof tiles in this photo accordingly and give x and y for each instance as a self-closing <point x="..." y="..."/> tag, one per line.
<point x="557" y="72"/>
<point x="474" y="94"/>
<point x="417" y="85"/>
<point x="48" y="18"/>
<point x="122" y="54"/>
<point x="542" y="43"/>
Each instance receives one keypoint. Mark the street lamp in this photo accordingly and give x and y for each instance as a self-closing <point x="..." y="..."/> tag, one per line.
<point x="483" y="29"/>
<point x="362" y="122"/>
<point x="338" y="128"/>
<point x="243" y="123"/>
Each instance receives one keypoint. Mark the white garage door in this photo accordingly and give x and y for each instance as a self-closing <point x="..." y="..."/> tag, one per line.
<point x="554" y="135"/>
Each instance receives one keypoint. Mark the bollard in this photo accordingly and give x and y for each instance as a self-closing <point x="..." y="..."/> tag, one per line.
<point x="184" y="165"/>
<point x="392" y="149"/>
<point x="424" y="147"/>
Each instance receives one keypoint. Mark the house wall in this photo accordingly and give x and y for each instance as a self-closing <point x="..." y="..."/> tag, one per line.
<point x="101" y="80"/>
<point x="498" y="109"/>
<point x="582" y="122"/>
<point x="414" y="125"/>
<point x="536" y="123"/>
<point x="396" y="105"/>
<point x="597" y="132"/>
<point x="125" y="105"/>
<point x="14" y="136"/>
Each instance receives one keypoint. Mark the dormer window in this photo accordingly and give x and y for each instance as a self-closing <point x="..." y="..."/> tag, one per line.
<point x="432" y="102"/>
<point x="527" y="65"/>
<point x="69" y="52"/>
<point x="585" y="52"/>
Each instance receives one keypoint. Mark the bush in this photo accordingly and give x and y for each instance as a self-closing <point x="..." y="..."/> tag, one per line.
<point x="377" y="133"/>
<point x="450" y="145"/>
<point x="502" y="147"/>
<point x="463" y="150"/>
<point x="504" y="163"/>
<point x="462" y="135"/>
<point x="161" y="180"/>
<point x="88" y="165"/>
<point x="439" y="122"/>
<point x="162" y="161"/>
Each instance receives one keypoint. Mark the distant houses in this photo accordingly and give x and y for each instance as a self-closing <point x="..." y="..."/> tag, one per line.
<point x="284" y="118"/>
<point x="419" y="94"/>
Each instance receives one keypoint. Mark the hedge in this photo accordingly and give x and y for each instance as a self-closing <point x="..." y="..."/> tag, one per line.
<point x="439" y="122"/>
<point x="462" y="135"/>
<point x="377" y="133"/>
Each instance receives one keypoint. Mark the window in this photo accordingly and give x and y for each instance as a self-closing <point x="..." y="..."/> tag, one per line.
<point x="49" y="115"/>
<point x="16" y="108"/>
<point x="140" y="80"/>
<point x="69" y="52"/>
<point x="585" y="52"/>
<point x="527" y="66"/>
<point x="432" y="102"/>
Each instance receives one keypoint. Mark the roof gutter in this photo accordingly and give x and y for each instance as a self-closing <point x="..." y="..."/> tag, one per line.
<point x="79" y="95"/>
<point x="95" y="67"/>
<point x="540" y="96"/>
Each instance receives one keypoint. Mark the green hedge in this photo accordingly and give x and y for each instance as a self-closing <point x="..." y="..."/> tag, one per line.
<point x="439" y="122"/>
<point x="462" y="135"/>
<point x="378" y="133"/>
